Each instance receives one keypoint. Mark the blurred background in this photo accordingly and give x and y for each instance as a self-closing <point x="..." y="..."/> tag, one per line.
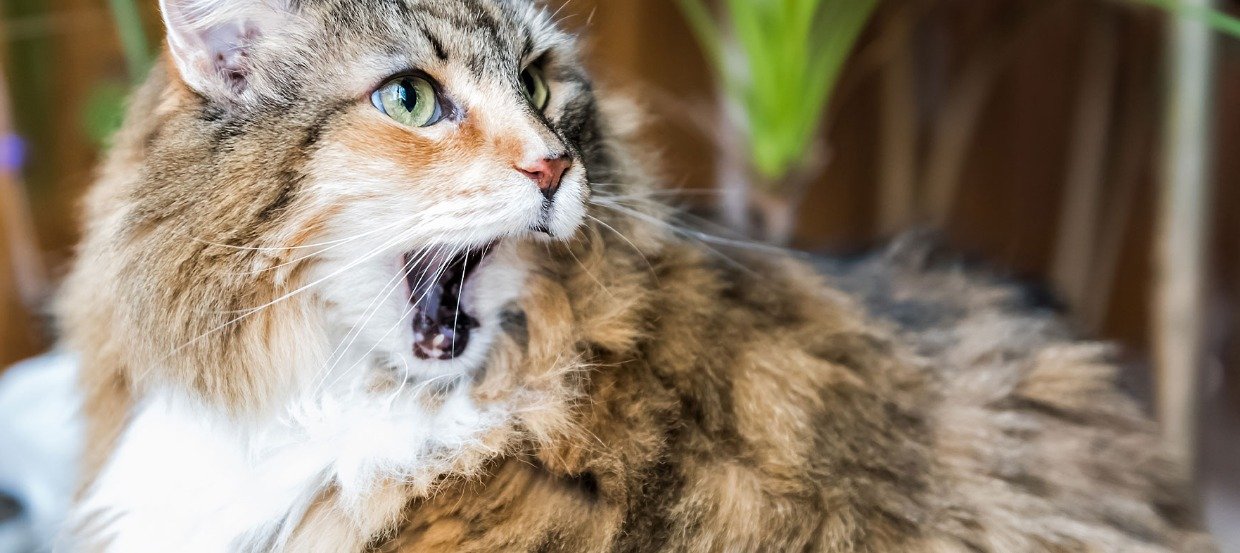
<point x="1082" y="145"/>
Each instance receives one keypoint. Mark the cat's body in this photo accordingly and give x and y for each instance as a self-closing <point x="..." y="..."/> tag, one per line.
<point x="265" y="369"/>
<point x="953" y="416"/>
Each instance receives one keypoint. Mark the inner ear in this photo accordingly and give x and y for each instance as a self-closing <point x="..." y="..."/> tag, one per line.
<point x="229" y="55"/>
<point x="213" y="41"/>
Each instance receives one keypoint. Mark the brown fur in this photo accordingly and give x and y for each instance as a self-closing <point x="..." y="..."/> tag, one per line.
<point x="684" y="399"/>
<point x="759" y="410"/>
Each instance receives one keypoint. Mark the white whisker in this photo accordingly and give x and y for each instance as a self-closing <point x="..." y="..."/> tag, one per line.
<point x="689" y="234"/>
<point x="361" y="259"/>
<point x="569" y="249"/>
<point x="371" y="309"/>
<point x="696" y="234"/>
<point x="279" y="249"/>
<point x="394" y="284"/>
<point x="630" y="243"/>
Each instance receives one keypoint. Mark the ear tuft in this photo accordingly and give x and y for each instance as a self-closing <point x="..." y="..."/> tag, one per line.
<point x="212" y="41"/>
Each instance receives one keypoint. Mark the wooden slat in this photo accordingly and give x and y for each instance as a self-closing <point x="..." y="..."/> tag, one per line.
<point x="897" y="168"/>
<point x="1183" y="231"/>
<point x="1076" y="249"/>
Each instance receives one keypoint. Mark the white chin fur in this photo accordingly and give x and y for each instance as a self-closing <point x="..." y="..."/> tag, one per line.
<point x="568" y="212"/>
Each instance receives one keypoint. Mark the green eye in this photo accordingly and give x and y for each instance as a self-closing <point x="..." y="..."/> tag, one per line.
<point x="410" y="101"/>
<point x="534" y="86"/>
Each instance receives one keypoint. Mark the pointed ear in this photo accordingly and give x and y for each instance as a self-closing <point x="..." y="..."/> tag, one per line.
<point x="213" y="41"/>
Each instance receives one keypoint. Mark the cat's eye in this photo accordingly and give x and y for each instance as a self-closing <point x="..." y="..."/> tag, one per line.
<point x="410" y="101"/>
<point x="534" y="86"/>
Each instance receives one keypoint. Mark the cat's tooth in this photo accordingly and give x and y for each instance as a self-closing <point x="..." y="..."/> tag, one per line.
<point x="439" y="340"/>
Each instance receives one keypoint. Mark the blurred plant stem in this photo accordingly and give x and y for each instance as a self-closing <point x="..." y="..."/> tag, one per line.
<point x="898" y="129"/>
<point x="777" y="63"/>
<point x="128" y="20"/>
<point x="1198" y="11"/>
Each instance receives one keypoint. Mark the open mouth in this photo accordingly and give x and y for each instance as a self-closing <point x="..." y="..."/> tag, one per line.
<point x="442" y="324"/>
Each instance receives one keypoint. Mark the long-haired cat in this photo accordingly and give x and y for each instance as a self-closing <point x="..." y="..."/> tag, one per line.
<point x="384" y="275"/>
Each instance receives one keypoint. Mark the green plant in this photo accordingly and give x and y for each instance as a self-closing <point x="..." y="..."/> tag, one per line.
<point x="1217" y="20"/>
<point x="105" y="109"/>
<point x="778" y="61"/>
<point x="129" y="27"/>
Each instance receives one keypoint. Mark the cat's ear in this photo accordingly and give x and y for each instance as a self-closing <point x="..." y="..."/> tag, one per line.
<point x="211" y="41"/>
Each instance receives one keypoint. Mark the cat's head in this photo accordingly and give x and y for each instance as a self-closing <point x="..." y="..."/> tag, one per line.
<point x="364" y="174"/>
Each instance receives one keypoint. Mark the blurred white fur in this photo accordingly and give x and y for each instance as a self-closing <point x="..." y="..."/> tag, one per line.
<point x="40" y="437"/>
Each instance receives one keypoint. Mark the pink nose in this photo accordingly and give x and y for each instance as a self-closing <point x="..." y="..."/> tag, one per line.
<point x="546" y="173"/>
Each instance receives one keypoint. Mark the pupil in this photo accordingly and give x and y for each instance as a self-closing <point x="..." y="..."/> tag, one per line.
<point x="527" y="80"/>
<point x="408" y="95"/>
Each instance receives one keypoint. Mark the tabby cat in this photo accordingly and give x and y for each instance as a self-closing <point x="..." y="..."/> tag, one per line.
<point x="385" y="275"/>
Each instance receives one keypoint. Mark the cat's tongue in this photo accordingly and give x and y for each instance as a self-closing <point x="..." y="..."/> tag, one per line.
<point x="441" y="327"/>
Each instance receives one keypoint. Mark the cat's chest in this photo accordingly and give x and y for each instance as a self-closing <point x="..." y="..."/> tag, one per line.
<point x="186" y="478"/>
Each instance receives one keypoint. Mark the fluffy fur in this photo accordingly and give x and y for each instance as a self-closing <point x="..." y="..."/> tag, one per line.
<point x="240" y="306"/>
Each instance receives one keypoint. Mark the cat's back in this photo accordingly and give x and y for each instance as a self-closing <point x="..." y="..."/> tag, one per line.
<point x="896" y="403"/>
<point x="1035" y="445"/>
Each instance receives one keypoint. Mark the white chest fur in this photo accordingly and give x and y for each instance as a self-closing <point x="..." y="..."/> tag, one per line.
<point x="183" y="478"/>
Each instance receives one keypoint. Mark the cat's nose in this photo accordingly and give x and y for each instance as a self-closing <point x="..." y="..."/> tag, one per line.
<point x="547" y="172"/>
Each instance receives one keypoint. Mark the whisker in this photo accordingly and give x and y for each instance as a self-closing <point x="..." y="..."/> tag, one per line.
<point x="405" y="314"/>
<point x="456" y="315"/>
<point x="404" y="380"/>
<point x="630" y="242"/>
<point x="556" y="13"/>
<point x="696" y="234"/>
<point x="394" y="284"/>
<point x="361" y="259"/>
<point x="569" y="249"/>
<point x="663" y="192"/>
<point x="277" y="249"/>
<point x="690" y="234"/>
<point x="306" y="256"/>
<point x="371" y="310"/>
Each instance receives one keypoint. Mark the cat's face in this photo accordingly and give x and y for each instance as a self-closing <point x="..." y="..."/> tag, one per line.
<point x="422" y="146"/>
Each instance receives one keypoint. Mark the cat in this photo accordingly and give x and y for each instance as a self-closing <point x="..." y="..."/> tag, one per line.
<point x="387" y="275"/>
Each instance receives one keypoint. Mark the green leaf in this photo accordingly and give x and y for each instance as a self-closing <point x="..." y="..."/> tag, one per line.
<point x="704" y="28"/>
<point x="137" y="49"/>
<point x="104" y="111"/>
<point x="779" y="61"/>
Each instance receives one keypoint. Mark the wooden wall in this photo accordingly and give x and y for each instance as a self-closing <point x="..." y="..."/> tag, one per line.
<point x="1013" y="166"/>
